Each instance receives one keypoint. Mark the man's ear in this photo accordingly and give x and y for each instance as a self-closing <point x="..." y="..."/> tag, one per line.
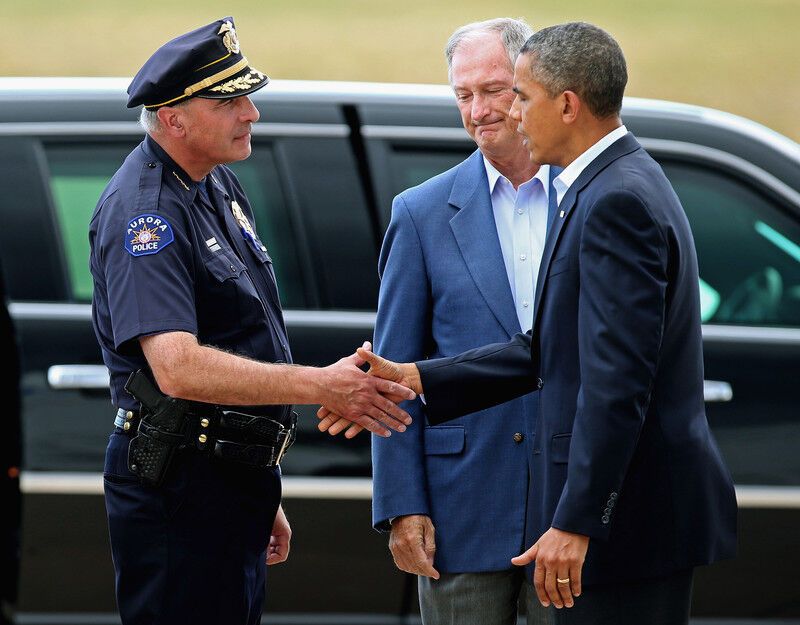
<point x="570" y="107"/>
<point x="171" y="121"/>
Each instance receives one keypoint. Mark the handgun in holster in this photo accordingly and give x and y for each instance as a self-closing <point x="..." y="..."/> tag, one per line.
<point x="162" y="430"/>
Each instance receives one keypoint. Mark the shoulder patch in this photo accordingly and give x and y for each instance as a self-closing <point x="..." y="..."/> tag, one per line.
<point x="147" y="234"/>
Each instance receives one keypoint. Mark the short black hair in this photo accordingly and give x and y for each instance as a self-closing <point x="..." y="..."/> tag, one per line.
<point x="583" y="58"/>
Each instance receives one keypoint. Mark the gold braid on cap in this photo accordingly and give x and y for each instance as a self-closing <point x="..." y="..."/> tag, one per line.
<point x="205" y="83"/>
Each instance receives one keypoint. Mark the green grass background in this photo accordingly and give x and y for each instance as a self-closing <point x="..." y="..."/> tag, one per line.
<point x="742" y="56"/>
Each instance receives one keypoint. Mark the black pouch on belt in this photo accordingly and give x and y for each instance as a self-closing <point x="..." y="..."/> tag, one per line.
<point x="162" y="430"/>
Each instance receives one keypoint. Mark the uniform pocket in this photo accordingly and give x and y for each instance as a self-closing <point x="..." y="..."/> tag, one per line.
<point x="442" y="440"/>
<point x="559" y="448"/>
<point x="224" y="266"/>
<point x="115" y="469"/>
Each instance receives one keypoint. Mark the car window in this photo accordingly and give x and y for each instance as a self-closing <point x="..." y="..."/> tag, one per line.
<point x="748" y="248"/>
<point x="413" y="165"/>
<point x="400" y="165"/>
<point x="78" y="172"/>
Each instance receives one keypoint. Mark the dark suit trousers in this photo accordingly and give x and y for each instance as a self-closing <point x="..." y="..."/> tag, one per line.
<point x="662" y="601"/>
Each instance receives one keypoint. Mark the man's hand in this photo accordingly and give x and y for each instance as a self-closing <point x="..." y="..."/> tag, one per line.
<point x="558" y="555"/>
<point x="412" y="545"/>
<point x="405" y="374"/>
<point x="367" y="400"/>
<point x="278" y="549"/>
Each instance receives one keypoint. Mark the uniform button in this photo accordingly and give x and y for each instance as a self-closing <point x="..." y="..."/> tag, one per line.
<point x="127" y="426"/>
<point x="610" y="503"/>
<point x="539" y="383"/>
<point x="519" y="437"/>
<point x="233" y="269"/>
<point x="151" y="165"/>
<point x="129" y="415"/>
<point x="204" y="423"/>
<point x="525" y="304"/>
<point x="605" y="519"/>
<point x="202" y="438"/>
<point x="607" y="511"/>
<point x="522" y="257"/>
<point x="613" y="495"/>
<point x="519" y="211"/>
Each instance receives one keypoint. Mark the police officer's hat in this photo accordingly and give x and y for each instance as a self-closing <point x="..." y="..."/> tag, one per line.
<point x="205" y="63"/>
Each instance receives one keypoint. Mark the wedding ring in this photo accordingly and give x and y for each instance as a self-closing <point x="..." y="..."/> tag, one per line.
<point x="563" y="581"/>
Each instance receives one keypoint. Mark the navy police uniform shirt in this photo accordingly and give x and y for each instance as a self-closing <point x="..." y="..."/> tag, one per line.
<point x="171" y="254"/>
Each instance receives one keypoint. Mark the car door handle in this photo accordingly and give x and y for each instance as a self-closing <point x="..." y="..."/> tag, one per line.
<point x="63" y="377"/>
<point x="716" y="391"/>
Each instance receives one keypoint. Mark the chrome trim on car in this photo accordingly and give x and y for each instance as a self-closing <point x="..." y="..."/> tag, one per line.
<point x="54" y="311"/>
<point x="719" y="157"/>
<point x="350" y="488"/>
<point x="426" y="133"/>
<point x="717" y="391"/>
<point x="751" y="335"/>
<point x="83" y="377"/>
<point x="133" y="129"/>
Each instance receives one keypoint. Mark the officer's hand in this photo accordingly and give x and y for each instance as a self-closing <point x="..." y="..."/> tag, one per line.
<point x="559" y="555"/>
<point x="278" y="549"/>
<point x="412" y="545"/>
<point x="334" y="424"/>
<point x="364" y="399"/>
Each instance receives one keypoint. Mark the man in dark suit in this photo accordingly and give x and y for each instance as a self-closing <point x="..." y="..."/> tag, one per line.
<point x="628" y="492"/>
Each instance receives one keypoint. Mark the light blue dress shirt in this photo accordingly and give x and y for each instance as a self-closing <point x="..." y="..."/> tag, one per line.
<point x="521" y="219"/>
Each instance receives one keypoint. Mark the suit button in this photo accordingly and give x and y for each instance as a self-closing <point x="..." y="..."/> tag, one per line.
<point x="151" y="165"/>
<point x="610" y="503"/>
<point x="607" y="512"/>
<point x="539" y="383"/>
<point x="613" y="496"/>
<point x="606" y="519"/>
<point x="519" y="437"/>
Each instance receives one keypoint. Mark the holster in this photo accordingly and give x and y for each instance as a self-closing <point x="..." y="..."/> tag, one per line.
<point x="168" y="424"/>
<point x="162" y="430"/>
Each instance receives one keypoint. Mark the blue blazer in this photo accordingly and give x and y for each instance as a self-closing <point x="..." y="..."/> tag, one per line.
<point x="444" y="289"/>
<point x="622" y="452"/>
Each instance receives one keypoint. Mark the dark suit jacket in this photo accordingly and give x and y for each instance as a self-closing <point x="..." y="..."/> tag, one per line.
<point x="622" y="451"/>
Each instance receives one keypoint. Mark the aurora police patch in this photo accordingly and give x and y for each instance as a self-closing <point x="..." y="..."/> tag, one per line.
<point x="147" y="234"/>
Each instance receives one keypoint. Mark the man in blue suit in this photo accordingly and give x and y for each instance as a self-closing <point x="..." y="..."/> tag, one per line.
<point x="458" y="268"/>
<point x="630" y="490"/>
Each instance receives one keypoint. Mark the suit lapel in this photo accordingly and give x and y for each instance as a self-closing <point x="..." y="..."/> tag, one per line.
<point x="621" y="147"/>
<point x="476" y="235"/>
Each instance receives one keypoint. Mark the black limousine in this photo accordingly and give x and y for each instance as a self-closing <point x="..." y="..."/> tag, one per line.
<point x="327" y="160"/>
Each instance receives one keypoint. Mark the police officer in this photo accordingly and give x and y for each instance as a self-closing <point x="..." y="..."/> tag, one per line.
<point x="184" y="291"/>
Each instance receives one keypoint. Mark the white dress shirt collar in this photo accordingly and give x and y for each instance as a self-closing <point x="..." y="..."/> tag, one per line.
<point x="566" y="178"/>
<point x="493" y="175"/>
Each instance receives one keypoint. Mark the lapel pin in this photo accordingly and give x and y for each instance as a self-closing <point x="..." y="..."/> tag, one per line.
<point x="561" y="214"/>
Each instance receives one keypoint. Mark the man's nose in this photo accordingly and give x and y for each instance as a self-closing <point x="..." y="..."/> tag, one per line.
<point x="515" y="112"/>
<point x="249" y="111"/>
<point x="480" y="108"/>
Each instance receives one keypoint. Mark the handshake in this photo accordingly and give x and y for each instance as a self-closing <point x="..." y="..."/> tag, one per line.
<point x="374" y="406"/>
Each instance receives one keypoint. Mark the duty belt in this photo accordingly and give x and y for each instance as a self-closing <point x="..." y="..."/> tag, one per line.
<point x="166" y="424"/>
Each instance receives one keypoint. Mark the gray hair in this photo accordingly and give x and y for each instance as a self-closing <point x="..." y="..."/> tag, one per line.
<point x="513" y="34"/>
<point x="582" y="58"/>
<point x="149" y="120"/>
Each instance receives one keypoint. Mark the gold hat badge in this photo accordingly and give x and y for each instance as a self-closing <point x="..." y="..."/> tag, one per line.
<point x="229" y="39"/>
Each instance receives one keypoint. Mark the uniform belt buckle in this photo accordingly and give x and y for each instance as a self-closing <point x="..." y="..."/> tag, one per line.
<point x="287" y="437"/>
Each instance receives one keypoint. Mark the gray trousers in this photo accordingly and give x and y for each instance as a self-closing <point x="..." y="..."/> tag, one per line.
<point x="479" y="599"/>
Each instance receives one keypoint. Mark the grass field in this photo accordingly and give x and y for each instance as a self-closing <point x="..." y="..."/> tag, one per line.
<point x="742" y="56"/>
